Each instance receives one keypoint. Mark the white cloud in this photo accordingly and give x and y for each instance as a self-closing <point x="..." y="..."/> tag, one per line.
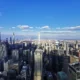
<point x="27" y="30"/>
<point x="37" y="27"/>
<point x="31" y="27"/>
<point x="58" y="28"/>
<point x="75" y="28"/>
<point x="69" y="28"/>
<point x="13" y="27"/>
<point x="1" y="27"/>
<point x="45" y="27"/>
<point x="24" y="27"/>
<point x="58" y="32"/>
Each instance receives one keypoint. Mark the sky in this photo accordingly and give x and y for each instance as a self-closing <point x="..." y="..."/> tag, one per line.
<point x="54" y="19"/>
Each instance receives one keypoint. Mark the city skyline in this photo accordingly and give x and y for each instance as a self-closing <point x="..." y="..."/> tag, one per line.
<point x="56" y="19"/>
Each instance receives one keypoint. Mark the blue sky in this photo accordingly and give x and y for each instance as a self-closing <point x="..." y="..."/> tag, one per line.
<point x="53" y="18"/>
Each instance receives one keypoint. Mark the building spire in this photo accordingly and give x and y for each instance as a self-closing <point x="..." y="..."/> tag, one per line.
<point x="39" y="38"/>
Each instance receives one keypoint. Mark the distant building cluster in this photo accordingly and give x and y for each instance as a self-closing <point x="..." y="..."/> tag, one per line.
<point x="39" y="60"/>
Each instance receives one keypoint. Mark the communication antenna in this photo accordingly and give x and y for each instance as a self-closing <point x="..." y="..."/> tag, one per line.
<point x="39" y="38"/>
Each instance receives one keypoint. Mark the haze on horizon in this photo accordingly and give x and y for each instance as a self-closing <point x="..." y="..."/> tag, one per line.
<point x="54" y="19"/>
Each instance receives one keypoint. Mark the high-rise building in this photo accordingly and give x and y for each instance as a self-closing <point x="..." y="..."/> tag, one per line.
<point x="15" y="55"/>
<point x="64" y="45"/>
<point x="6" y="66"/>
<point x="3" y="52"/>
<point x="66" y="64"/>
<point x="61" y="52"/>
<point x="74" y="71"/>
<point x="26" y="56"/>
<point x="24" y="71"/>
<point x="76" y="45"/>
<point x="13" y="38"/>
<point x="67" y="49"/>
<point x="10" y="40"/>
<point x="38" y="64"/>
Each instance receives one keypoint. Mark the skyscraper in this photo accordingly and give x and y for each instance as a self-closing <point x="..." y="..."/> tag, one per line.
<point x="76" y="45"/>
<point x="67" y="49"/>
<point x="38" y="64"/>
<point x="10" y="40"/>
<point x="13" y="38"/>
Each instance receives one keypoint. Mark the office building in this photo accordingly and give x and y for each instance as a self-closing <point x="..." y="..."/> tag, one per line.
<point x="74" y="70"/>
<point x="15" y="55"/>
<point x="38" y="64"/>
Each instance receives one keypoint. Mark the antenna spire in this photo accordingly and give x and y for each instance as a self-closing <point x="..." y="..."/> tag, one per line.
<point x="39" y="38"/>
